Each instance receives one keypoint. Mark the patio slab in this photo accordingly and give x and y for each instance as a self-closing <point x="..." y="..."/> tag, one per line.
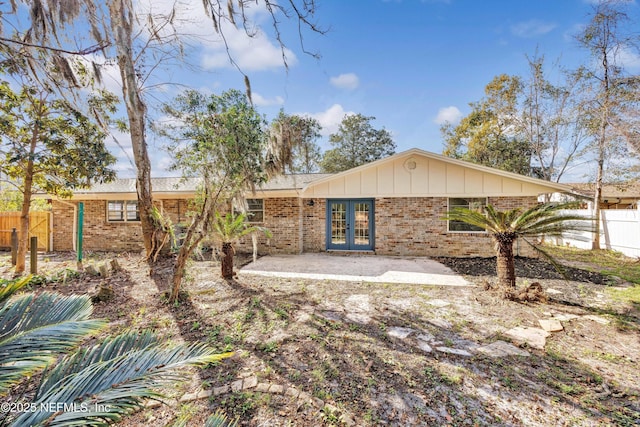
<point x="352" y="268"/>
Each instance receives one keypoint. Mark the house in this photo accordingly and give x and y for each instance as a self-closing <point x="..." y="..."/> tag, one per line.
<point x="393" y="206"/>
<point x="620" y="196"/>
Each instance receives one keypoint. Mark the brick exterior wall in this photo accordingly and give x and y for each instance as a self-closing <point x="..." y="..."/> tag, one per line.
<point x="414" y="227"/>
<point x="282" y="217"/>
<point x="314" y="222"/>
<point x="101" y="235"/>
<point x="407" y="226"/>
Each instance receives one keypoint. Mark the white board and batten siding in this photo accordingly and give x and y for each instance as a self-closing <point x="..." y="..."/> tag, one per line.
<point x="416" y="173"/>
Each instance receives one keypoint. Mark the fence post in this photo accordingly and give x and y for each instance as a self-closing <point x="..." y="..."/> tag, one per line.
<point x="14" y="246"/>
<point x="79" y="236"/>
<point x="34" y="255"/>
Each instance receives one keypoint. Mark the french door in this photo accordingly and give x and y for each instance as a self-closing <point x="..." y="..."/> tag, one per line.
<point x="350" y="224"/>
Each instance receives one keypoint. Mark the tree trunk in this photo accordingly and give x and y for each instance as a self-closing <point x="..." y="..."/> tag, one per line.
<point x="23" y="236"/>
<point x="602" y="144"/>
<point x="181" y="263"/>
<point x="226" y="261"/>
<point x="597" y="198"/>
<point x="505" y="265"/>
<point x="121" y="24"/>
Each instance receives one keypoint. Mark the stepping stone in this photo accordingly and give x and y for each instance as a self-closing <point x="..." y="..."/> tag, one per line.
<point x="424" y="346"/>
<point x="501" y="349"/>
<point x="330" y="315"/>
<point x="457" y="351"/>
<point x="425" y="337"/>
<point x="438" y="303"/>
<point x="358" y="303"/>
<point x="596" y="319"/>
<point x="263" y="387"/>
<point x="533" y="337"/>
<point x="236" y="385"/>
<point x="550" y="325"/>
<point x="276" y="389"/>
<point x="221" y="390"/>
<point x="250" y="382"/>
<point x="293" y="392"/>
<point x="399" y="332"/>
<point x="358" y="317"/>
<point x="403" y="304"/>
<point x="440" y="323"/>
<point x="565" y="317"/>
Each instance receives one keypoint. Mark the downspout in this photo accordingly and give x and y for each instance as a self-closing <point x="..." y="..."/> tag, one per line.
<point x="301" y="208"/>
<point x="75" y="221"/>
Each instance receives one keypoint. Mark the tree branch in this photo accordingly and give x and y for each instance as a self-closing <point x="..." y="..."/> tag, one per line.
<point x="86" y="51"/>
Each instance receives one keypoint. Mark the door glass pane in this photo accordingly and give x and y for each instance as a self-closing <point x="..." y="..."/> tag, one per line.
<point x="361" y="223"/>
<point x="338" y="223"/>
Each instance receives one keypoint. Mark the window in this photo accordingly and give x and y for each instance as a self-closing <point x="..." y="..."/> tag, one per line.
<point x="255" y="210"/>
<point x="476" y="204"/>
<point x="123" y="211"/>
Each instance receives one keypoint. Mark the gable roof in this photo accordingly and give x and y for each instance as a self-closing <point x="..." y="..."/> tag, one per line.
<point x="417" y="172"/>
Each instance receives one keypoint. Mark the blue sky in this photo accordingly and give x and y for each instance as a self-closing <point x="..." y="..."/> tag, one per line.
<point x="410" y="63"/>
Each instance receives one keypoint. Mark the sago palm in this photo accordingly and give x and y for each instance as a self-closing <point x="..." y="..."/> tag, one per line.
<point x="228" y="230"/>
<point x="505" y="227"/>
<point x="92" y="386"/>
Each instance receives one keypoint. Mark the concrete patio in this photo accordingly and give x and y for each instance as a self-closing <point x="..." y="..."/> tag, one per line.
<point x="354" y="268"/>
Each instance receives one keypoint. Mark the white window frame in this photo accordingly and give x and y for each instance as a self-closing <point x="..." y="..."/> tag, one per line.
<point x="124" y="211"/>
<point x="483" y="202"/>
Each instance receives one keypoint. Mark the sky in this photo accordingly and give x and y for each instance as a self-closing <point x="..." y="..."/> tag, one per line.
<point x="411" y="64"/>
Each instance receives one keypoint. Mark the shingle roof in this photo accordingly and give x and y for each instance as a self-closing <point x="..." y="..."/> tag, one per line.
<point x="629" y="190"/>
<point x="189" y="185"/>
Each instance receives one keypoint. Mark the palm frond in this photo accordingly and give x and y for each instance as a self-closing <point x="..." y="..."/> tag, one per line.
<point x="546" y="255"/>
<point x="551" y="220"/>
<point x="34" y="328"/>
<point x="469" y="216"/>
<point x="231" y="228"/>
<point x="112" y="379"/>
<point x="10" y="287"/>
<point x="107" y="350"/>
<point x="220" y="419"/>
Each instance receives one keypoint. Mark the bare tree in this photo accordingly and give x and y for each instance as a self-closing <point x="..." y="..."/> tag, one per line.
<point x="608" y="87"/>
<point x="550" y="120"/>
<point x="114" y="26"/>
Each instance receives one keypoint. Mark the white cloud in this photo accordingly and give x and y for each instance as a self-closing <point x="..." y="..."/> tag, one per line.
<point x="448" y="115"/>
<point x="261" y="101"/>
<point x="330" y="119"/>
<point x="629" y="60"/>
<point x="532" y="28"/>
<point x="348" y="81"/>
<point x="250" y="53"/>
<point x="162" y="165"/>
<point x="119" y="144"/>
<point x="612" y="1"/>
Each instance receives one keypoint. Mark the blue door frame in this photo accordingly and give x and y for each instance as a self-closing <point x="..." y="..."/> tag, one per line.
<point x="350" y="224"/>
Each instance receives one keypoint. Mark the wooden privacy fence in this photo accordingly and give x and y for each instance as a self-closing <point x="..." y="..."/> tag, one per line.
<point x="40" y="225"/>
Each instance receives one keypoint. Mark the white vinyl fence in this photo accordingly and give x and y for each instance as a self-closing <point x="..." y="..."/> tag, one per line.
<point x="619" y="231"/>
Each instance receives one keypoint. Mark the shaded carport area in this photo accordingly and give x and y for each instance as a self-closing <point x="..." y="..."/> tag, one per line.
<point x="353" y="268"/>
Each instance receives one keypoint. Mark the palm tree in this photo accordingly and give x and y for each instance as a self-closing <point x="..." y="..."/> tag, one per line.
<point x="92" y="386"/>
<point x="506" y="227"/>
<point x="228" y="230"/>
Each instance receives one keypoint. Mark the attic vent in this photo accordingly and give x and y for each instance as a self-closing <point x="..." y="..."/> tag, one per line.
<point x="410" y="164"/>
